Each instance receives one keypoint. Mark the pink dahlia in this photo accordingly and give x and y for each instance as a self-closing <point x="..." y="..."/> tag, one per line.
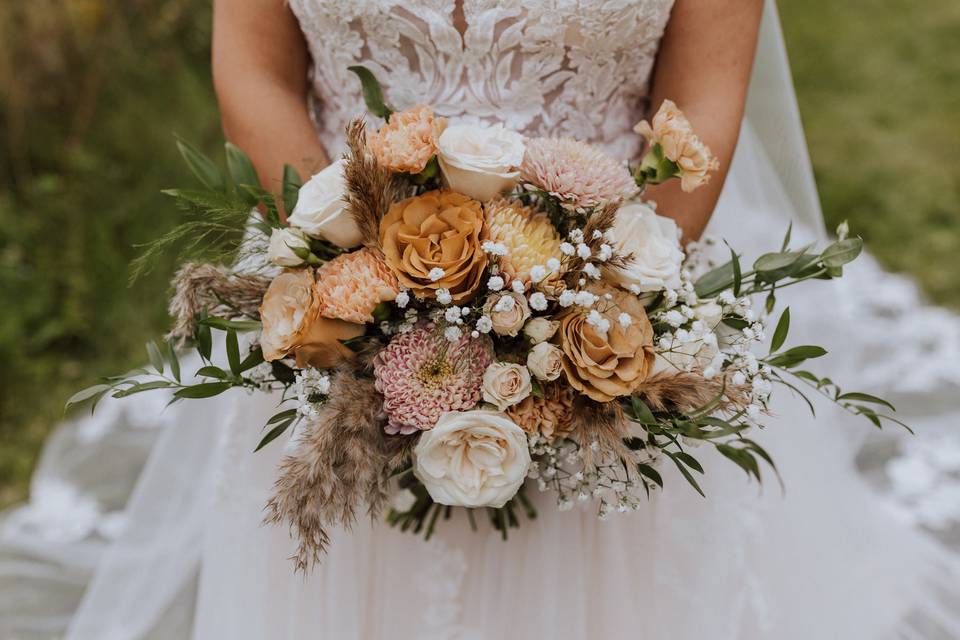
<point x="422" y="375"/>
<point x="581" y="176"/>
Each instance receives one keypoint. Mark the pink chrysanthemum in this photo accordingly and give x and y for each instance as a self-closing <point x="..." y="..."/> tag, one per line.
<point x="422" y="375"/>
<point x="352" y="285"/>
<point x="581" y="176"/>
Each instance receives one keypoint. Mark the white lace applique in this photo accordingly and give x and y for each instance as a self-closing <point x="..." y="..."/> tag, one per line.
<point x="439" y="585"/>
<point x="576" y="68"/>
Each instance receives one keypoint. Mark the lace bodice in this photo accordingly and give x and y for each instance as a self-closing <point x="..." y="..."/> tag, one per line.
<point x="576" y="68"/>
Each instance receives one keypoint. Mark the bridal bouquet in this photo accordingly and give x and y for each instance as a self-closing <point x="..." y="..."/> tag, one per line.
<point x="455" y="314"/>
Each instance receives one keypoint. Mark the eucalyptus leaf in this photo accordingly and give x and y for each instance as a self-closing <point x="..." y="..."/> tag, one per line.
<point x="780" y="333"/>
<point x="233" y="351"/>
<point x="841" y="252"/>
<point x="715" y="281"/>
<point x="641" y="412"/>
<point x="796" y="355"/>
<point x="253" y="359"/>
<point x="685" y="473"/>
<point x="87" y="394"/>
<point x="273" y="434"/>
<point x="153" y="353"/>
<point x="203" y="390"/>
<point x="226" y="325"/>
<point x="139" y="387"/>
<point x="173" y="360"/>
<point x="204" y="341"/>
<point x="372" y="93"/>
<point x="865" y="397"/>
<point x="240" y="166"/>
<point x="291" y="188"/>
<point x="202" y="167"/>
<point x="211" y="371"/>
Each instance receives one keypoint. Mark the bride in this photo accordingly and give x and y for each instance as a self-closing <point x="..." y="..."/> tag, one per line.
<point x="822" y="560"/>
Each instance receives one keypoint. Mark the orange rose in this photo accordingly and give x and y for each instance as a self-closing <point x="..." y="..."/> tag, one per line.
<point x="432" y="241"/>
<point x="408" y="141"/>
<point x="611" y="363"/>
<point x="290" y="313"/>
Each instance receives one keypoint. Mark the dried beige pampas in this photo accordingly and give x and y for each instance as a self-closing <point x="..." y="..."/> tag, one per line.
<point x="689" y="392"/>
<point x="342" y="465"/>
<point x="206" y="286"/>
<point x="604" y="424"/>
<point x="371" y="188"/>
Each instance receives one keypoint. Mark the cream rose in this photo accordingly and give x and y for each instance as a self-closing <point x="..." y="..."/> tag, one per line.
<point x="472" y="459"/>
<point x="507" y="311"/>
<point x="545" y="361"/>
<point x="653" y="242"/>
<point x="505" y="384"/>
<point x="540" y="329"/>
<point x="480" y="162"/>
<point x="283" y="242"/>
<point x="321" y="211"/>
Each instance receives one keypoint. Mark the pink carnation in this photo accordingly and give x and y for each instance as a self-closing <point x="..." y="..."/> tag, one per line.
<point x="579" y="175"/>
<point x="422" y="375"/>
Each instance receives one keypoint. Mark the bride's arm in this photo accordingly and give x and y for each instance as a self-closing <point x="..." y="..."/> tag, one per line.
<point x="704" y="66"/>
<point x="260" y="74"/>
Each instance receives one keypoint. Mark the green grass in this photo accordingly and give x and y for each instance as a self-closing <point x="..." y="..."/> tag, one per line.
<point x="879" y="89"/>
<point x="86" y="126"/>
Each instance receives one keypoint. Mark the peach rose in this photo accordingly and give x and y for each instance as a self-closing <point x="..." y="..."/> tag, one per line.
<point x="672" y="131"/>
<point x="408" y="141"/>
<point x="432" y="241"/>
<point x="508" y="311"/>
<point x="290" y="313"/>
<point x="605" y="362"/>
<point x="505" y="384"/>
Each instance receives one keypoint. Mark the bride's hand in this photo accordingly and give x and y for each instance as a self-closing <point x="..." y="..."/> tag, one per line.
<point x="260" y="63"/>
<point x="704" y="66"/>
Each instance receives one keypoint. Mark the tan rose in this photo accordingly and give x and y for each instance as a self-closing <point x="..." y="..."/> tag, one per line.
<point x="408" y="141"/>
<point x="432" y="241"/>
<point x="505" y="384"/>
<point x="290" y="313"/>
<point x="321" y="348"/>
<point x="607" y="364"/>
<point x="551" y="416"/>
<point x="545" y="361"/>
<point x="507" y="310"/>
<point x="673" y="132"/>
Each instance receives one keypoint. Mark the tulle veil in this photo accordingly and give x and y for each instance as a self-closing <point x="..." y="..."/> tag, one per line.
<point x="826" y="561"/>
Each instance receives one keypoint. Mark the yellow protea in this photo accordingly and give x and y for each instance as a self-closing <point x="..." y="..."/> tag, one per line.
<point x="530" y="239"/>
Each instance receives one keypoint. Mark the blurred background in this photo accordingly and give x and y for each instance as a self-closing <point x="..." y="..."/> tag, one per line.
<point x="92" y="91"/>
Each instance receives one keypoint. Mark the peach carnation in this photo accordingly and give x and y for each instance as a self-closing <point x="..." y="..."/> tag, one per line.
<point x="550" y="416"/>
<point x="408" y="141"/>
<point x="351" y="286"/>
<point x="529" y="236"/>
<point x="581" y="176"/>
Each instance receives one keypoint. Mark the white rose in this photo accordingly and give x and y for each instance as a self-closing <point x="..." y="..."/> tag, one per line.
<point x="545" y="361"/>
<point x="321" y="211"/>
<point x="480" y="162"/>
<point x="506" y="384"/>
<point x="540" y="329"/>
<point x="472" y="459"/>
<point x="282" y="244"/>
<point x="654" y="243"/>
<point x="710" y="312"/>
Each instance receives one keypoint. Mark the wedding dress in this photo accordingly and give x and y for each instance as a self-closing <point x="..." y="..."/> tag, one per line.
<point x="825" y="559"/>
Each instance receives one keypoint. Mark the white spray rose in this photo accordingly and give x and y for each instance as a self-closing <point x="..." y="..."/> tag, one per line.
<point x="480" y="162"/>
<point x="654" y="243"/>
<point x="506" y="384"/>
<point x="545" y="361"/>
<point x="321" y="211"/>
<point x="472" y="459"/>
<point x="540" y="329"/>
<point x="282" y="244"/>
